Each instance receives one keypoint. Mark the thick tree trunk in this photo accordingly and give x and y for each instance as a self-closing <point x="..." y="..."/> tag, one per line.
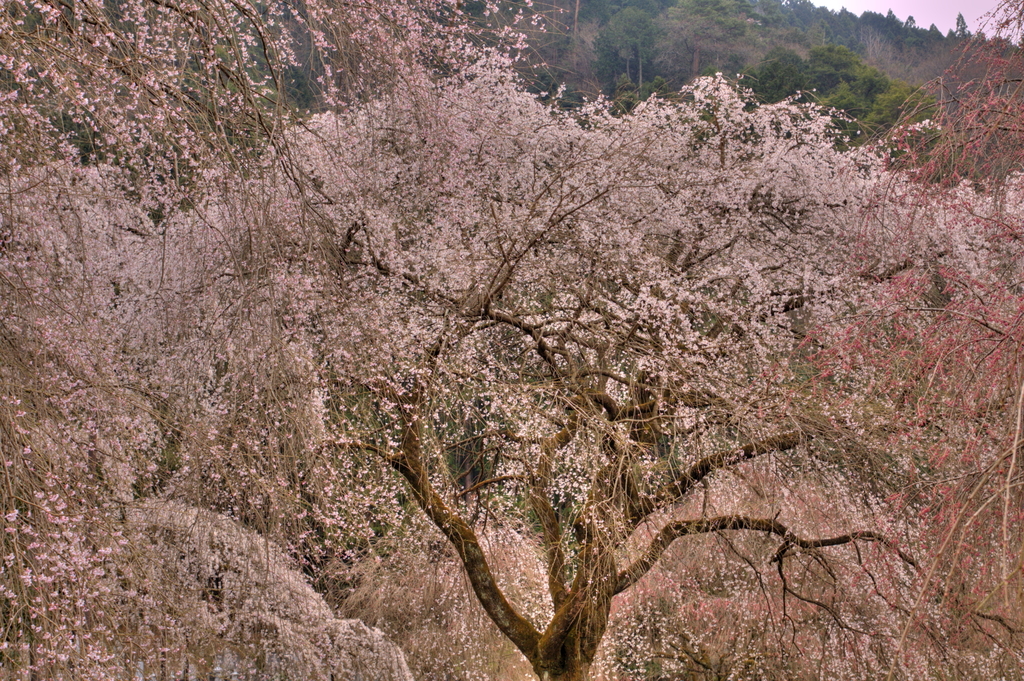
<point x="570" y="668"/>
<point x="571" y="660"/>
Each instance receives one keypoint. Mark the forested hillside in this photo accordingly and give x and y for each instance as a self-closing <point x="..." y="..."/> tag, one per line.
<point x="336" y="344"/>
<point x="866" y="66"/>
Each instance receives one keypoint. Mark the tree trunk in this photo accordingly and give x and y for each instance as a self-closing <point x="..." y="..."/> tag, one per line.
<point x="640" y="76"/>
<point x="572" y="659"/>
<point x="572" y="670"/>
<point x="578" y="674"/>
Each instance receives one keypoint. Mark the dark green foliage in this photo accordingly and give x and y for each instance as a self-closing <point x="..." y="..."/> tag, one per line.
<point x="720" y="20"/>
<point x="657" y="87"/>
<point x="830" y="65"/>
<point x="836" y="77"/>
<point x="961" y="27"/>
<point x="625" y="97"/>
<point x="627" y="44"/>
<point x="782" y="73"/>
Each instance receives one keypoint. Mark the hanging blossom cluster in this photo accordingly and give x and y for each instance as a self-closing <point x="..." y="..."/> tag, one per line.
<point x="170" y="90"/>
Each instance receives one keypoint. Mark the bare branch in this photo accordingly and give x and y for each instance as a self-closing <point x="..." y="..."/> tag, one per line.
<point x="607" y="402"/>
<point x="543" y="349"/>
<point x="999" y="619"/>
<point x="489" y="481"/>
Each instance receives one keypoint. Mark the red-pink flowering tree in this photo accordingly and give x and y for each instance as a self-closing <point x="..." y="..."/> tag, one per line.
<point x="937" y="342"/>
<point x="929" y="368"/>
<point x="975" y="133"/>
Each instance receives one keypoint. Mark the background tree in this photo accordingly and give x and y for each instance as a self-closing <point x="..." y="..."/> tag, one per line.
<point x="836" y="77"/>
<point x="626" y="44"/>
<point x="961" y="27"/>
<point x="703" y="34"/>
<point x="782" y="73"/>
<point x="732" y="35"/>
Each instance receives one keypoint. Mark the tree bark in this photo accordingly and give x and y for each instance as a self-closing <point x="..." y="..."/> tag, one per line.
<point x="578" y="673"/>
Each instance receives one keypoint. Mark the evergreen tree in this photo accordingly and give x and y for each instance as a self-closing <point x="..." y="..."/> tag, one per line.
<point x="961" y="27"/>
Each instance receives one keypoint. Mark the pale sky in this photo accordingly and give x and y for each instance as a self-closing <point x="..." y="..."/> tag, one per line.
<point x="942" y="13"/>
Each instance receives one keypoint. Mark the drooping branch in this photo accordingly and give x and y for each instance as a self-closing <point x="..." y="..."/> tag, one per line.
<point x="668" y="534"/>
